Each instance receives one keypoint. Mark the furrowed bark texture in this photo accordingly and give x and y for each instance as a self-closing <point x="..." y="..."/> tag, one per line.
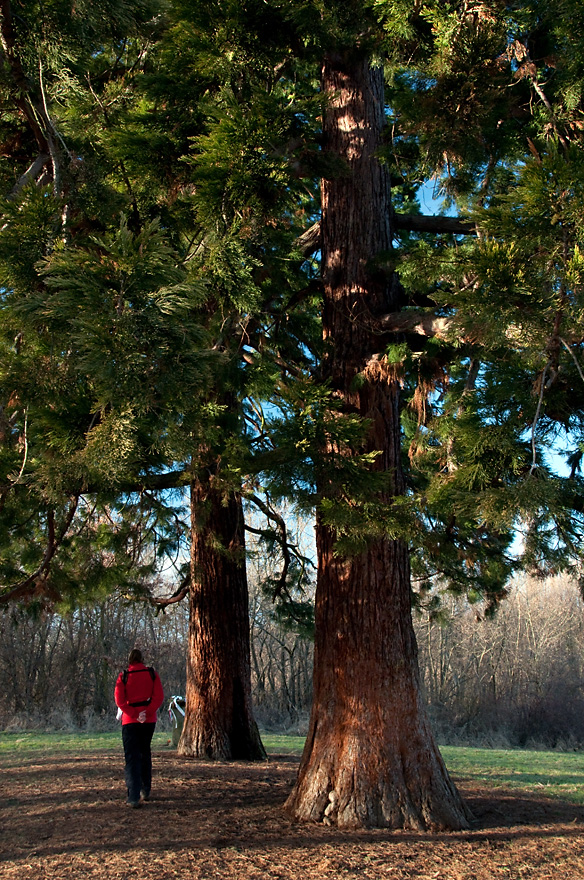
<point x="370" y="759"/>
<point x="219" y="722"/>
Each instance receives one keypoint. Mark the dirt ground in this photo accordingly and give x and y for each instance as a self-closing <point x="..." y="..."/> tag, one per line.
<point x="67" y="818"/>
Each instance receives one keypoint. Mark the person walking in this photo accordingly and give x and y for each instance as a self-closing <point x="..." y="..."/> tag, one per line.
<point x="139" y="696"/>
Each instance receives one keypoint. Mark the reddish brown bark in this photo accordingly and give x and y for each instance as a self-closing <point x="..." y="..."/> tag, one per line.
<point x="219" y="721"/>
<point x="370" y="758"/>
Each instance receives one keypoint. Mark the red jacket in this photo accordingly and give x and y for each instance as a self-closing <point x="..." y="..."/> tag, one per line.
<point x="139" y="687"/>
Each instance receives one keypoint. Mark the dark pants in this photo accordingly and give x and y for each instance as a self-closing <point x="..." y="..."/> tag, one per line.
<point x="136" y="739"/>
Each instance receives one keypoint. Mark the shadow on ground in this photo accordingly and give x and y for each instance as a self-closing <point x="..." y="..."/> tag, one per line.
<point x="66" y="817"/>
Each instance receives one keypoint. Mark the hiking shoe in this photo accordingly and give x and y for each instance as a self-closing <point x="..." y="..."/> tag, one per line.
<point x="145" y="795"/>
<point x="134" y="804"/>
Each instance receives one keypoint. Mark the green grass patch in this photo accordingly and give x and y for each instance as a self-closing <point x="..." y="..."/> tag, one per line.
<point x="21" y="744"/>
<point x="278" y="744"/>
<point x="554" y="774"/>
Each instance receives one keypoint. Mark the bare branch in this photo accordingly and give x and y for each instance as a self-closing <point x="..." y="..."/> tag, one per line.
<point x="438" y="225"/>
<point x="573" y="356"/>
<point x="179" y="594"/>
<point x="30" y="174"/>
<point x="23" y="102"/>
<point x="422" y="323"/>
<point x="309" y="242"/>
<point x="150" y="483"/>
<point x="536" y="419"/>
<point x="25" y="456"/>
<point x="33" y="108"/>
<point x="273" y="515"/>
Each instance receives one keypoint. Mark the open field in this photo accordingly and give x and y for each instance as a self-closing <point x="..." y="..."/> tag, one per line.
<point x="62" y="815"/>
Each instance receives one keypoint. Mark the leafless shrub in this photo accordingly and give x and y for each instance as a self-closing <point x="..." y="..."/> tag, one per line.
<point x="59" y="670"/>
<point x="517" y="679"/>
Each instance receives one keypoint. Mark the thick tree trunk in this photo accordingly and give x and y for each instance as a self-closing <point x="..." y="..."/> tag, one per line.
<point x="219" y="721"/>
<point x="370" y="759"/>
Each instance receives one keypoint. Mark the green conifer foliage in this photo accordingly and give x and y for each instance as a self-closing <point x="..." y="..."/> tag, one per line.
<point x="506" y="384"/>
<point x="89" y="398"/>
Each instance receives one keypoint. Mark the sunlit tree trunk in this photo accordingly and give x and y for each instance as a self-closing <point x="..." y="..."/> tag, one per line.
<point x="219" y="721"/>
<point x="370" y="757"/>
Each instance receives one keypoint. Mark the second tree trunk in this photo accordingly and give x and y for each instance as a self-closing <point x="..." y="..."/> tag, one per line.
<point x="219" y="722"/>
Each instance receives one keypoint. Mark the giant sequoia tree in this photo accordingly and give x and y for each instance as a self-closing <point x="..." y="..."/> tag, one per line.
<point x="475" y="449"/>
<point x="109" y="410"/>
<point x="231" y="235"/>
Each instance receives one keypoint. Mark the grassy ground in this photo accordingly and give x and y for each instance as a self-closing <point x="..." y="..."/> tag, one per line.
<point x="554" y="774"/>
<point x="19" y="744"/>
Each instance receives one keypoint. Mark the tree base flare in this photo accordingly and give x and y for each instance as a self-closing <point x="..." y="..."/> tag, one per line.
<point x="219" y="746"/>
<point x="364" y="790"/>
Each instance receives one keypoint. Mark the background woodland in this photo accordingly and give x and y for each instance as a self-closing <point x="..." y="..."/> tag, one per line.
<point x="513" y="680"/>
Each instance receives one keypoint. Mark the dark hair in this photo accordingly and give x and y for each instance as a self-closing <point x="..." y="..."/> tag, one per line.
<point x="135" y="656"/>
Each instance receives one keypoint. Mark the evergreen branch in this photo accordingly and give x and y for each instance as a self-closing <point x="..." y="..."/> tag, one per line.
<point x="530" y="70"/>
<point x="471" y="379"/>
<point x="124" y="173"/>
<point x="31" y="586"/>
